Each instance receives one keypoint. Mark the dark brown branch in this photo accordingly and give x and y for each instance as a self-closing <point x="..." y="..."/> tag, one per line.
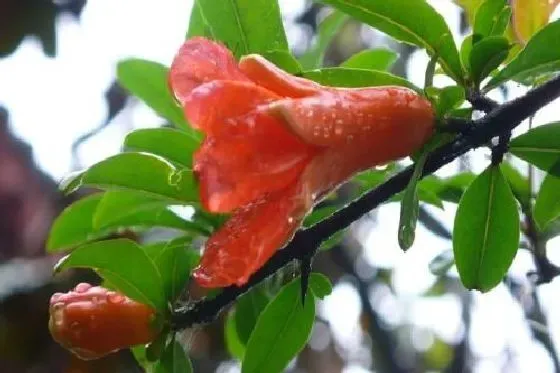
<point x="498" y="121"/>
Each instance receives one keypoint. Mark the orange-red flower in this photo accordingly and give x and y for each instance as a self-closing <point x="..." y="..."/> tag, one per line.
<point x="92" y="321"/>
<point x="275" y="144"/>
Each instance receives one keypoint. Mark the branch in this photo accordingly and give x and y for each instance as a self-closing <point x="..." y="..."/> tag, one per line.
<point x="498" y="121"/>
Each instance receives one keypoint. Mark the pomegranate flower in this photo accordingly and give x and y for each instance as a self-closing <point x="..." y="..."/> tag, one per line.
<point x="92" y="321"/>
<point x="275" y="144"/>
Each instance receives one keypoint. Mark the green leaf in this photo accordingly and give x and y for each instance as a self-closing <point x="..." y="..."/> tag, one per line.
<point x="486" y="17"/>
<point x="518" y="183"/>
<point x="486" y="231"/>
<point x="412" y="22"/>
<point x="318" y="215"/>
<point x="327" y="30"/>
<point x="124" y="208"/>
<point x="442" y="263"/>
<point x="540" y="147"/>
<point x="320" y="285"/>
<point x="235" y="348"/>
<point x="486" y="56"/>
<point x="173" y="145"/>
<point x="449" y="189"/>
<point x="247" y="311"/>
<point x="143" y="172"/>
<point x="446" y="99"/>
<point x="465" y="52"/>
<point x="547" y="205"/>
<point x="281" y="331"/>
<point x="284" y="60"/>
<point x="502" y="22"/>
<point x="175" y="262"/>
<point x="198" y="26"/>
<point x="346" y="77"/>
<point x="149" y="81"/>
<point x="409" y="206"/>
<point x="245" y="26"/>
<point x="538" y="58"/>
<point x="74" y="225"/>
<point x="372" y="59"/>
<point x="174" y="360"/>
<point x="125" y="265"/>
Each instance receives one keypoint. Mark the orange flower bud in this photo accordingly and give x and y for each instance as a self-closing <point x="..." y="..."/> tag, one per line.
<point x="275" y="144"/>
<point x="92" y="321"/>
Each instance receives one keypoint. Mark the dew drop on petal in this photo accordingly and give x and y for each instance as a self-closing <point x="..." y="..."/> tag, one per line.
<point x="338" y="130"/>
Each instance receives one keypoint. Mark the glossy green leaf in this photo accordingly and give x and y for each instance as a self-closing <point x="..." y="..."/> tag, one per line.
<point x="538" y="58"/>
<point x="174" y="360"/>
<point x="125" y="265"/>
<point x="412" y="22"/>
<point x="540" y="147"/>
<point x="327" y="30"/>
<point x="281" y="331"/>
<point x="198" y="26"/>
<point x="410" y="205"/>
<point x="175" y="261"/>
<point x="149" y="81"/>
<point x="74" y="225"/>
<point x="346" y="77"/>
<point x="486" y="17"/>
<point x="518" y="183"/>
<point x="318" y="215"/>
<point x="465" y="52"/>
<point x="449" y="189"/>
<point x="320" y="285"/>
<point x="486" y="231"/>
<point x="247" y="311"/>
<point x="235" y="348"/>
<point x="446" y="99"/>
<point x="284" y="60"/>
<point x="145" y="173"/>
<point x="245" y="26"/>
<point x="173" y="145"/>
<point x="502" y="22"/>
<point x="547" y="205"/>
<point x="373" y="59"/>
<point x="486" y="56"/>
<point x="125" y="208"/>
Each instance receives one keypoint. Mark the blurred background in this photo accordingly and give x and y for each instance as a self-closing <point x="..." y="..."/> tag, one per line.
<point x="61" y="109"/>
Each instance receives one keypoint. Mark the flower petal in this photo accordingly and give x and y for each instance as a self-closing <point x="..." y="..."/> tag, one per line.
<point x="201" y="60"/>
<point x="249" y="238"/>
<point x="265" y="74"/>
<point x="235" y="170"/>
<point x="390" y="121"/>
<point x="214" y="107"/>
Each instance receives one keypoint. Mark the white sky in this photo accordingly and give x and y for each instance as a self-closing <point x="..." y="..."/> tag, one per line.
<point x="53" y="101"/>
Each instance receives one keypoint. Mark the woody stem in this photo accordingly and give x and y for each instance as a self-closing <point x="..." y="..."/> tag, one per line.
<point x="500" y="120"/>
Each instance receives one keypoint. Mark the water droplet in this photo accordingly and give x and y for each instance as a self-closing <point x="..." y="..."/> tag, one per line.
<point x="310" y="113"/>
<point x="82" y="287"/>
<point x="338" y="130"/>
<point x="339" y="121"/>
<point x="290" y="220"/>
